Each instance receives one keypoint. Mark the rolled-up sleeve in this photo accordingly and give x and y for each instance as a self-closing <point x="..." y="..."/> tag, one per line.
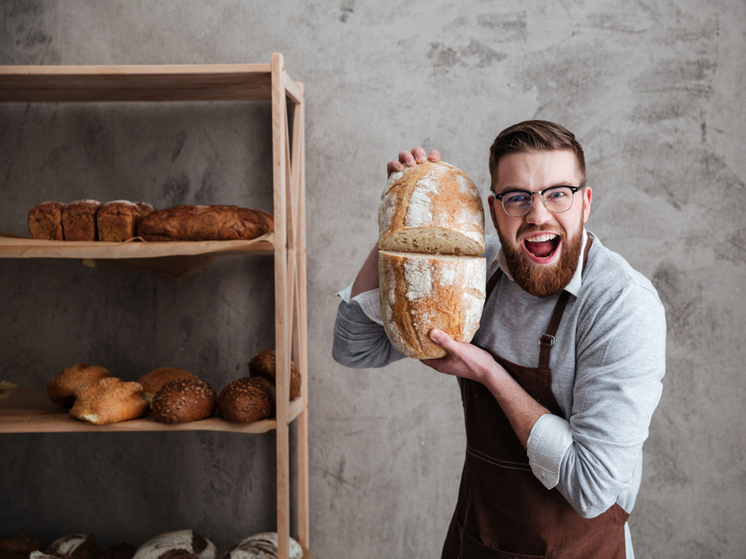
<point x="359" y="338"/>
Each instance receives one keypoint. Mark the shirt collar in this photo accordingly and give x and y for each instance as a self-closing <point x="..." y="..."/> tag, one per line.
<point x="573" y="287"/>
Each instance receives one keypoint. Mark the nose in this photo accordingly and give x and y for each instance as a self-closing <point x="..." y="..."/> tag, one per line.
<point x="538" y="213"/>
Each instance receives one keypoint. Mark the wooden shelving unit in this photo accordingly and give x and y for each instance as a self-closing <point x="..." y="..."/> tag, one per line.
<point x="26" y="411"/>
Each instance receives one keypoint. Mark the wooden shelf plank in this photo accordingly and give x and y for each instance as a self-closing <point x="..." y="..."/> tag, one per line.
<point x="31" y="411"/>
<point x="180" y="82"/>
<point x="19" y="247"/>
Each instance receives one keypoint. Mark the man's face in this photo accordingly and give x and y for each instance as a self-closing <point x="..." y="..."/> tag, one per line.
<point x="541" y="247"/>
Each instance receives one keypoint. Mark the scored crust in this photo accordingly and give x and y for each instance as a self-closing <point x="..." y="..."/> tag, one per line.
<point x="420" y="292"/>
<point x="433" y="207"/>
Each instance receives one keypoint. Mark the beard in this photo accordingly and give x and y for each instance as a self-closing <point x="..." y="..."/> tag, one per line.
<point x="538" y="280"/>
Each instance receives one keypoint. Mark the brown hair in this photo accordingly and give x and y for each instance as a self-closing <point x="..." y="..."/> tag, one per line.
<point x="535" y="135"/>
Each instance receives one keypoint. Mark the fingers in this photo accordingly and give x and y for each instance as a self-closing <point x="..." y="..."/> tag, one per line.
<point x="442" y="339"/>
<point x="410" y="159"/>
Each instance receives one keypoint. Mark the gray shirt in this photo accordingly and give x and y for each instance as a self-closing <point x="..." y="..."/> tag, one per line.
<point x="607" y="366"/>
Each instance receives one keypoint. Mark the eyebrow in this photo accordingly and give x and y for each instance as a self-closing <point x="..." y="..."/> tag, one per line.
<point x="519" y="189"/>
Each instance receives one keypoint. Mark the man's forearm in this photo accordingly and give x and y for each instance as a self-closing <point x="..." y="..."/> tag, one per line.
<point x="367" y="277"/>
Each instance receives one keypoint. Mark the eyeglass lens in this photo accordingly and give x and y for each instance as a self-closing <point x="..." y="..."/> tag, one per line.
<point x="557" y="199"/>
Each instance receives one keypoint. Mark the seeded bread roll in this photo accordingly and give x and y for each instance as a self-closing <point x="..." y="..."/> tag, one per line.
<point x="61" y="389"/>
<point x="108" y="401"/>
<point x="165" y="545"/>
<point x="247" y="399"/>
<point x="45" y="221"/>
<point x="262" y="546"/>
<point x="79" y="220"/>
<point x="205" y="223"/>
<point x="74" y="546"/>
<point x="183" y="400"/>
<point x="153" y="381"/>
<point x="420" y="292"/>
<point x="431" y="208"/>
<point x="264" y="365"/>
<point x="117" y="220"/>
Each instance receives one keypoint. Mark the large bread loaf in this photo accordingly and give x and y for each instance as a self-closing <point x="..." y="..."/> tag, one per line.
<point x="431" y="233"/>
<point x="433" y="208"/>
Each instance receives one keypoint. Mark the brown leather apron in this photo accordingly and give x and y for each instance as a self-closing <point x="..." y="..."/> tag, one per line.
<point x="503" y="510"/>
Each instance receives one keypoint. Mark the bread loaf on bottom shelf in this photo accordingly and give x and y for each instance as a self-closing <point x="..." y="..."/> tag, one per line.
<point x="262" y="546"/>
<point x="45" y="221"/>
<point x="164" y="545"/>
<point x="420" y="292"/>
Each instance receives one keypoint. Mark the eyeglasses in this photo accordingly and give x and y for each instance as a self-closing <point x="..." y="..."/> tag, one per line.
<point x="557" y="199"/>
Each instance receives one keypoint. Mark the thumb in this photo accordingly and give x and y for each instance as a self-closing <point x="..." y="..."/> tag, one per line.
<point x="441" y="338"/>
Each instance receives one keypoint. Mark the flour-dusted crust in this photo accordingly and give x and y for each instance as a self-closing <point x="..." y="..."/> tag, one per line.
<point x="164" y="545"/>
<point x="262" y="546"/>
<point x="420" y="292"/>
<point x="108" y="401"/>
<point x="73" y="546"/>
<point x="433" y="207"/>
<point x="205" y="223"/>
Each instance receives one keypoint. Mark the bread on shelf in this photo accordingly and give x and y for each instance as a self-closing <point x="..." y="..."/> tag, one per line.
<point x="246" y="400"/>
<point x="153" y="381"/>
<point x="108" y="401"/>
<point x="79" y="220"/>
<point x="205" y="223"/>
<point x="118" y="220"/>
<point x="182" y="401"/>
<point x="264" y="365"/>
<point x="62" y="388"/>
<point x="262" y="546"/>
<point x="45" y="221"/>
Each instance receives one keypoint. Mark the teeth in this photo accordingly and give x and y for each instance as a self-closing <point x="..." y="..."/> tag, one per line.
<point x="541" y="238"/>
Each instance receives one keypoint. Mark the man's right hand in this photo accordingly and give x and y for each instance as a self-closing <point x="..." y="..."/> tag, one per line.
<point x="410" y="159"/>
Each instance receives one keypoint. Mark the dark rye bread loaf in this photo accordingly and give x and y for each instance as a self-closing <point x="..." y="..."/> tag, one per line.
<point x="205" y="223"/>
<point x="264" y="365"/>
<point x="247" y="399"/>
<point x="45" y="221"/>
<point x="79" y="220"/>
<point x="118" y="220"/>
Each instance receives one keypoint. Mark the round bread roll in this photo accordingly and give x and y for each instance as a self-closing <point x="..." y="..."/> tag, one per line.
<point x="420" y="292"/>
<point x="247" y="399"/>
<point x="264" y="365"/>
<point x="262" y="546"/>
<point x="183" y="400"/>
<point x="434" y="208"/>
<point x="74" y="546"/>
<point x="61" y="389"/>
<point x="165" y="545"/>
<point x="153" y="381"/>
<point x="108" y="401"/>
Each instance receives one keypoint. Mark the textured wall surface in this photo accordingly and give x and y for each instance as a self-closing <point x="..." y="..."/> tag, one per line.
<point x="653" y="89"/>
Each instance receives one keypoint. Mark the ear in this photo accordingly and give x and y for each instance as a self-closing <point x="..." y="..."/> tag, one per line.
<point x="491" y="200"/>
<point x="587" y="197"/>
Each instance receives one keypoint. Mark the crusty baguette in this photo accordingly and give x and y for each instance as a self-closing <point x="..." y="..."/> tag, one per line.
<point x="420" y="292"/>
<point x="431" y="208"/>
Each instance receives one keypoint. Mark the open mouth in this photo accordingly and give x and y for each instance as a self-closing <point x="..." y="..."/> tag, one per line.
<point x="542" y="246"/>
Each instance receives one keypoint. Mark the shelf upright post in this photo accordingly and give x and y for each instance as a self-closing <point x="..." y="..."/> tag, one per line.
<point x="282" y="324"/>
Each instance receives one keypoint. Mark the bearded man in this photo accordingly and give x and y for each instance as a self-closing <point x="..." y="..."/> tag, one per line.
<point x="560" y="381"/>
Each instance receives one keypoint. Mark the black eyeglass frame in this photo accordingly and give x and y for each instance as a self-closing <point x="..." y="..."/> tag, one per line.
<point x="573" y="189"/>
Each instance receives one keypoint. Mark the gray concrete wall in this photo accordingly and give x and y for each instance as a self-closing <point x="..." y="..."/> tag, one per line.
<point x="653" y="89"/>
